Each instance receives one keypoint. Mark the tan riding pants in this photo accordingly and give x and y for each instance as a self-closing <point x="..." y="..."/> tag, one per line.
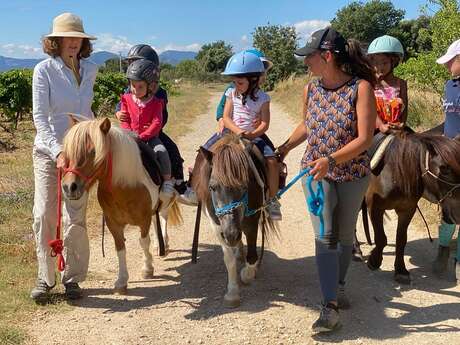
<point x="76" y="244"/>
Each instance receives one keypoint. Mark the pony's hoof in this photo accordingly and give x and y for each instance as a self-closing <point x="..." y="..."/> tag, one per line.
<point x="402" y="278"/>
<point x="147" y="274"/>
<point x="121" y="290"/>
<point x="247" y="275"/>
<point x="232" y="302"/>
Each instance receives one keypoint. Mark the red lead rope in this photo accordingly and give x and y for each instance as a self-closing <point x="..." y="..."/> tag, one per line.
<point x="57" y="245"/>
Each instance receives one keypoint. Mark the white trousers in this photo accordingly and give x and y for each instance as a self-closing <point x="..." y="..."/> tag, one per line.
<point x="75" y="237"/>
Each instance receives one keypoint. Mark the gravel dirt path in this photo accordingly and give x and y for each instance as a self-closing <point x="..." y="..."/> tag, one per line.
<point x="184" y="303"/>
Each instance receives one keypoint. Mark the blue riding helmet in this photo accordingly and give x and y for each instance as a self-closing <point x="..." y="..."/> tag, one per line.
<point x="267" y="63"/>
<point x="244" y="63"/>
<point x="386" y="44"/>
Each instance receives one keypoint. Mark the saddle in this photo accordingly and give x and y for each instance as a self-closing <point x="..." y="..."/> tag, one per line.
<point x="380" y="144"/>
<point x="149" y="162"/>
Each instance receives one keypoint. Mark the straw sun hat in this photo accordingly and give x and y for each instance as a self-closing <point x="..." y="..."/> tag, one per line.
<point x="69" y="25"/>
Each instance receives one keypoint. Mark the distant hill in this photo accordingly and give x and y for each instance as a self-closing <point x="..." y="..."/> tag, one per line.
<point x="173" y="57"/>
<point x="7" y="63"/>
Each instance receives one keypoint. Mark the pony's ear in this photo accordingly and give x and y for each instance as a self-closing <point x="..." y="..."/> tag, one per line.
<point x="206" y="154"/>
<point x="105" y="125"/>
<point x="457" y="138"/>
<point x="73" y="119"/>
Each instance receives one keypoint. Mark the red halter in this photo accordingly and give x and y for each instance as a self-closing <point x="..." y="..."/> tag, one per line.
<point x="57" y="244"/>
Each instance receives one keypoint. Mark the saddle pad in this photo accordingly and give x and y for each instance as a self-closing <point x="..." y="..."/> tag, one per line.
<point x="149" y="162"/>
<point x="380" y="150"/>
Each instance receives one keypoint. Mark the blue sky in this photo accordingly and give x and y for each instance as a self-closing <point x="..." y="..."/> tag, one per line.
<point x="166" y="24"/>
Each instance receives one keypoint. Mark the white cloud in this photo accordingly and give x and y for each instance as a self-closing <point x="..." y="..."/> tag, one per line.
<point x="21" y="50"/>
<point x="194" y="47"/>
<point x="305" y="28"/>
<point x="112" y="43"/>
<point x="244" y="39"/>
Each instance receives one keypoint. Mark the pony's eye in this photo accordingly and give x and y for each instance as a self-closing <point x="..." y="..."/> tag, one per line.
<point x="92" y="152"/>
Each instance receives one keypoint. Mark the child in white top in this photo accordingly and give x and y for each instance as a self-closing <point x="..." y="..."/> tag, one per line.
<point x="246" y="103"/>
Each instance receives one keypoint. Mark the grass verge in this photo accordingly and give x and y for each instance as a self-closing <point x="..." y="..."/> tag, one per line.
<point x="17" y="246"/>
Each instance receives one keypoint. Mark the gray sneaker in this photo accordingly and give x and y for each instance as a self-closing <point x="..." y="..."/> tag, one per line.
<point x="328" y="319"/>
<point x="73" y="291"/>
<point x="342" y="300"/>
<point x="41" y="291"/>
<point x="189" y="197"/>
<point x="274" y="210"/>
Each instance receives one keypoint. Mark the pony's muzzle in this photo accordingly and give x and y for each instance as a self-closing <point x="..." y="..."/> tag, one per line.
<point x="73" y="190"/>
<point x="231" y="238"/>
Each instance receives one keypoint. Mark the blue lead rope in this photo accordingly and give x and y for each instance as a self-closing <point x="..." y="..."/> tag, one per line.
<point x="315" y="201"/>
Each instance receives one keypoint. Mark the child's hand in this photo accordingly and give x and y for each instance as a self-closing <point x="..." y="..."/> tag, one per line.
<point x="248" y="135"/>
<point x="396" y="125"/>
<point x="384" y="127"/>
<point x="256" y="122"/>
<point x="220" y="125"/>
<point x="121" y="115"/>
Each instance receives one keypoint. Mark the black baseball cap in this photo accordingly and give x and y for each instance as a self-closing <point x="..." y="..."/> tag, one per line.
<point x="324" y="39"/>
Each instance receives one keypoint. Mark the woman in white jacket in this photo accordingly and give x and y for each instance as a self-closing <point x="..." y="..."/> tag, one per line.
<point x="62" y="84"/>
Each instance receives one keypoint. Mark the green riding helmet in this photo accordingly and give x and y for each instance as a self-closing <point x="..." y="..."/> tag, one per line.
<point x="386" y="45"/>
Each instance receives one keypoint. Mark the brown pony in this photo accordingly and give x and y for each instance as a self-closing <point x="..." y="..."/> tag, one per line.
<point x="231" y="180"/>
<point x="97" y="151"/>
<point x="415" y="166"/>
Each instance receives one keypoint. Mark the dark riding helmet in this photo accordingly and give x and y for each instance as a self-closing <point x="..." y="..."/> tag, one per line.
<point x="143" y="51"/>
<point x="143" y="70"/>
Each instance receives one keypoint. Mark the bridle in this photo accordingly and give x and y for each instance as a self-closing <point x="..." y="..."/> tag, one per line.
<point x="89" y="179"/>
<point x="427" y="171"/>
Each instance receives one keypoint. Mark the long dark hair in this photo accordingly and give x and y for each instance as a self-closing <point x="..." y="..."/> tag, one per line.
<point x="354" y="62"/>
<point x="253" y="87"/>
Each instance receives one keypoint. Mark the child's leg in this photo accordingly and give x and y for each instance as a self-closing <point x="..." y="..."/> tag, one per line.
<point x="273" y="176"/>
<point x="446" y="232"/>
<point x="176" y="161"/>
<point x="162" y="157"/>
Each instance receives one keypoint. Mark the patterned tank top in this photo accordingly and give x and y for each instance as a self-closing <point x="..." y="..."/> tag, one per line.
<point x="331" y="124"/>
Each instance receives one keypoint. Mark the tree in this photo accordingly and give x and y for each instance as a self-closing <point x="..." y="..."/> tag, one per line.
<point x="213" y="57"/>
<point x="366" y="21"/>
<point x="414" y="34"/>
<point x="187" y="69"/>
<point x="107" y="90"/>
<point x="445" y="29"/>
<point x="278" y="43"/>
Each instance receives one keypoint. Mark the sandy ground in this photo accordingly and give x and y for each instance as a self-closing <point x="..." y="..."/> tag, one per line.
<point x="184" y="303"/>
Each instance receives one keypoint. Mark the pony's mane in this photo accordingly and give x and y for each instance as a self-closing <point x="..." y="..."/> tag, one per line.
<point x="230" y="166"/>
<point x="127" y="168"/>
<point x="405" y="155"/>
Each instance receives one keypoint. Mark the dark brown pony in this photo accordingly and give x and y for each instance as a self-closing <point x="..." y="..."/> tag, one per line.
<point x="415" y="166"/>
<point x="228" y="174"/>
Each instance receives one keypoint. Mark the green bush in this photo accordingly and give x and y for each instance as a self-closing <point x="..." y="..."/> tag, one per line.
<point x="107" y="90"/>
<point x="15" y="97"/>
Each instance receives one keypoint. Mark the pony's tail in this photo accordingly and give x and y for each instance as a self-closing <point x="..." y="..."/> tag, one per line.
<point x="174" y="214"/>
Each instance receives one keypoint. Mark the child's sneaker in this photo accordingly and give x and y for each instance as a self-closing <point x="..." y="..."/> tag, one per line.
<point x="167" y="189"/>
<point x="274" y="210"/>
<point x="189" y="197"/>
